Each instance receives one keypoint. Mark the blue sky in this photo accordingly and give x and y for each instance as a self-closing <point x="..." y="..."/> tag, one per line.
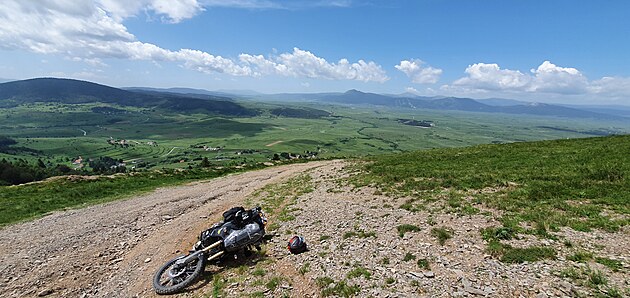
<point x="564" y="51"/>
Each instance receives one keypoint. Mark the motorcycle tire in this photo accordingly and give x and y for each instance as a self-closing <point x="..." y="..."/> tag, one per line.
<point x="170" y="280"/>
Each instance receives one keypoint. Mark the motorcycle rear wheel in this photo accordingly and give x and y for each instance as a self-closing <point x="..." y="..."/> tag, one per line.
<point x="171" y="279"/>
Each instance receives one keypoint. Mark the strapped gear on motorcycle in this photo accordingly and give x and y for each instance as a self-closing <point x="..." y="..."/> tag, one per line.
<point x="234" y="214"/>
<point x="297" y="245"/>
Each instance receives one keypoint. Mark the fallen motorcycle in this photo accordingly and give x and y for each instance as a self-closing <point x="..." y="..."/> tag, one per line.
<point x="239" y="231"/>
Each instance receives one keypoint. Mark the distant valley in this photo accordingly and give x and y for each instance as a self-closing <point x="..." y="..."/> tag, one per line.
<point x="82" y="125"/>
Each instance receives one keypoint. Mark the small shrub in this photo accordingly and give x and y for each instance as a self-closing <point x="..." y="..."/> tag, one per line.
<point x="363" y="234"/>
<point x="570" y="273"/>
<point x="424" y="264"/>
<point x="596" y="278"/>
<point x="259" y="272"/>
<point x="568" y="244"/>
<point x="442" y="234"/>
<point x="347" y="235"/>
<point x="390" y="280"/>
<point x="495" y="248"/>
<point x="408" y="257"/>
<point x="359" y="271"/>
<point x="614" y="265"/>
<point x="614" y="292"/>
<point x="499" y="233"/>
<point x="580" y="256"/>
<point x="305" y="268"/>
<point x="530" y="254"/>
<point x="385" y="261"/>
<point x="324" y="237"/>
<point x="323" y="282"/>
<point x="341" y="289"/>
<point x="273" y="283"/>
<point x="404" y="228"/>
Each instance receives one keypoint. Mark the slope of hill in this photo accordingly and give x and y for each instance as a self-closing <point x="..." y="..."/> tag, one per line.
<point x="539" y="219"/>
<point x="75" y="92"/>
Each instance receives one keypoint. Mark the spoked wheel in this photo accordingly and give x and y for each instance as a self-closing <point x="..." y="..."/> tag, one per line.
<point x="173" y="277"/>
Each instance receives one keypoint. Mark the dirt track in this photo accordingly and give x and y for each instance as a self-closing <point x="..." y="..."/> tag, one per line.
<point x="112" y="250"/>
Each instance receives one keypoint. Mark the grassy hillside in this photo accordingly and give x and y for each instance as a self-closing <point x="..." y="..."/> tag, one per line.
<point x="32" y="200"/>
<point x="581" y="183"/>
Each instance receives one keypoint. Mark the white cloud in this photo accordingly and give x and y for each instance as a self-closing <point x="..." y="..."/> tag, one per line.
<point x="492" y="77"/>
<point x="419" y="73"/>
<point x="90" y="31"/>
<point x="412" y="90"/>
<point x="614" y="87"/>
<point x="301" y="63"/>
<point x="554" y="79"/>
<point x="547" y="78"/>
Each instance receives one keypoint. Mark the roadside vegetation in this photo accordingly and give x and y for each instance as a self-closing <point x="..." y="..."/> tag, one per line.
<point x="28" y="201"/>
<point x="538" y="187"/>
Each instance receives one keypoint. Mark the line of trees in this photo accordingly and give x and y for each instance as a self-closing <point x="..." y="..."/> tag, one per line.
<point x="21" y="171"/>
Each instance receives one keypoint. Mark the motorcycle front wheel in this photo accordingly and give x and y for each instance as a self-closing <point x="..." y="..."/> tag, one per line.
<point x="172" y="278"/>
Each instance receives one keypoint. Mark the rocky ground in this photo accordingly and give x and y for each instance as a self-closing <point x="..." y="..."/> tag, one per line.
<point x="355" y="246"/>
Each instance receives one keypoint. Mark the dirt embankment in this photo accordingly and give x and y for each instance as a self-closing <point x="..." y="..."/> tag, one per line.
<point x="112" y="250"/>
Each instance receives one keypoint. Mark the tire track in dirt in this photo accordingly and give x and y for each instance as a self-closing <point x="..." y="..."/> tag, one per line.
<point x="102" y="250"/>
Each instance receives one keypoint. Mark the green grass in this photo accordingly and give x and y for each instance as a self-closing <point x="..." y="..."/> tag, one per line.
<point x="442" y="234"/>
<point x="218" y="284"/>
<point x="508" y="254"/>
<point x="550" y="184"/>
<point x="274" y="282"/>
<point x="341" y="289"/>
<point x="408" y="257"/>
<point x="22" y="202"/>
<point x="404" y="228"/>
<point x="424" y="264"/>
<point x="305" y="268"/>
<point x="259" y="272"/>
<point x="614" y="265"/>
<point x="498" y="233"/>
<point x="596" y="278"/>
<point x="359" y="271"/>
<point x="580" y="256"/>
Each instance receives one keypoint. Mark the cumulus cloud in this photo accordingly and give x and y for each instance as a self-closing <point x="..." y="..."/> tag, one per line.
<point x="416" y="70"/>
<point x="90" y="31"/>
<point x="554" y="79"/>
<point x="301" y="63"/>
<point x="492" y="77"/>
<point x="548" y="78"/>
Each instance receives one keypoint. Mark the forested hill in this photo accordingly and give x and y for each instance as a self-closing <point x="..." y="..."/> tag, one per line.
<point x="76" y="92"/>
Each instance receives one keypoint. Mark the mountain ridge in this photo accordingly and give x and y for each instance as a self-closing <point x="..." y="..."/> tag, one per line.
<point x="72" y="91"/>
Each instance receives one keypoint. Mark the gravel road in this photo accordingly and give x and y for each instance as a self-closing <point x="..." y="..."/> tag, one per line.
<point x="112" y="249"/>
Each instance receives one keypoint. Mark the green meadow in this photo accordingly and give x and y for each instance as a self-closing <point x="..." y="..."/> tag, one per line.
<point x="156" y="139"/>
<point x="460" y="151"/>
